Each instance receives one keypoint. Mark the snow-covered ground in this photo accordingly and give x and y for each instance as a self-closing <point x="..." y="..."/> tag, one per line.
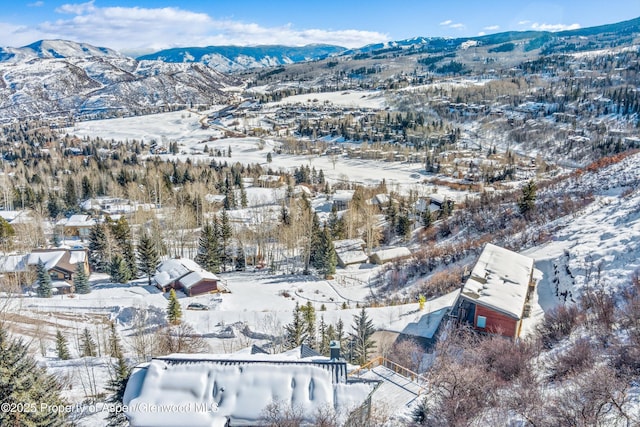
<point x="185" y="128"/>
<point x="597" y="248"/>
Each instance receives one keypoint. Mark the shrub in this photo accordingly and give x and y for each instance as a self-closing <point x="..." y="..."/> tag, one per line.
<point x="558" y="323"/>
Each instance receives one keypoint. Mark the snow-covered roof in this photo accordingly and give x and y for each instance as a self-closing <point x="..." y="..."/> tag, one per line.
<point x="500" y="280"/>
<point x="78" y="221"/>
<point x="49" y="258"/>
<point x="424" y="323"/>
<point x="392" y="253"/>
<point x="215" y="198"/>
<point x="343" y="195"/>
<point x="15" y="216"/>
<point x="107" y="204"/>
<point x="421" y="205"/>
<point x="188" y="271"/>
<point x="13" y="263"/>
<point x="350" y="251"/>
<point x="178" y="267"/>
<point x="380" y="199"/>
<point x="269" y="178"/>
<point x="196" y="276"/>
<point x="211" y="392"/>
<point x="77" y="256"/>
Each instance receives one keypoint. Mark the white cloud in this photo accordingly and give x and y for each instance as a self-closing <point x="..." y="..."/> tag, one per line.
<point x="36" y="4"/>
<point x="554" y="27"/>
<point x="492" y="27"/>
<point x="525" y="22"/>
<point x="76" y="9"/>
<point x="450" y="24"/>
<point x="482" y="33"/>
<point x="137" y="29"/>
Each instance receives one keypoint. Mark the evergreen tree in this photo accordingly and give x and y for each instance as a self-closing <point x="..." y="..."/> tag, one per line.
<point x="87" y="344"/>
<point x="87" y="188"/>
<point x="115" y="349"/>
<point x="244" y="202"/>
<point x="62" y="348"/>
<point x="391" y="214"/>
<point x="295" y="331"/>
<point x="339" y="336"/>
<point x="329" y="256"/>
<point x="98" y="248"/>
<point x="148" y="258"/>
<point x="229" y="196"/>
<point x="174" y="310"/>
<point x="336" y="224"/>
<point x="44" y="281"/>
<point x="119" y="270"/>
<point x="80" y="280"/>
<point x="325" y="339"/>
<point x="120" y="373"/>
<point x="324" y="257"/>
<point x="226" y="232"/>
<point x="427" y="220"/>
<point x="315" y="249"/>
<point x="241" y="262"/>
<point x="24" y="382"/>
<point x="309" y="319"/>
<point x="527" y="202"/>
<point x="53" y="206"/>
<point x="361" y="337"/>
<point x="122" y="234"/>
<point x="403" y="228"/>
<point x="208" y="256"/>
<point x="70" y="195"/>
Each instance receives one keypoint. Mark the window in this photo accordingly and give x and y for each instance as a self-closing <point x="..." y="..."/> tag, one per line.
<point x="481" y="322"/>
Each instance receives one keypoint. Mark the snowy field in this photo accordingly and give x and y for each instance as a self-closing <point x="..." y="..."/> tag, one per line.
<point x="185" y="128"/>
<point x="349" y="98"/>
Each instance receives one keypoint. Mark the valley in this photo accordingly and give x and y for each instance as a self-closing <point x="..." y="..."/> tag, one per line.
<point x="301" y="196"/>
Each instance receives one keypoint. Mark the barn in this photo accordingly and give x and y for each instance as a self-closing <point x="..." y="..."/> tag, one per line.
<point x="494" y="297"/>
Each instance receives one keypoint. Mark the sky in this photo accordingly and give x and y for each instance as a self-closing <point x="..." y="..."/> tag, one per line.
<point x="143" y="26"/>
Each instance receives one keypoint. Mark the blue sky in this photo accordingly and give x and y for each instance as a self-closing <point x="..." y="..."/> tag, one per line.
<point x="137" y="26"/>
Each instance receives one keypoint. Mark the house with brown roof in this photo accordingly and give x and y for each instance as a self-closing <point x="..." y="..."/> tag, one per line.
<point x="186" y="275"/>
<point x="62" y="265"/>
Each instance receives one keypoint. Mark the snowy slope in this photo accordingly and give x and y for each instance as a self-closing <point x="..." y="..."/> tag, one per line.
<point x="53" y="79"/>
<point x="599" y="247"/>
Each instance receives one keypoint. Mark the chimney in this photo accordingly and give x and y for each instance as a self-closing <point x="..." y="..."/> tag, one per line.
<point x="334" y="350"/>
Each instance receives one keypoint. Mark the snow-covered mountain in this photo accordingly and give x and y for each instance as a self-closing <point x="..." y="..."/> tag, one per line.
<point x="238" y="58"/>
<point x="54" y="49"/>
<point x="50" y="78"/>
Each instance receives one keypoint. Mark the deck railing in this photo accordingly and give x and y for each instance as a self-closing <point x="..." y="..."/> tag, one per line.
<point x="393" y="366"/>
